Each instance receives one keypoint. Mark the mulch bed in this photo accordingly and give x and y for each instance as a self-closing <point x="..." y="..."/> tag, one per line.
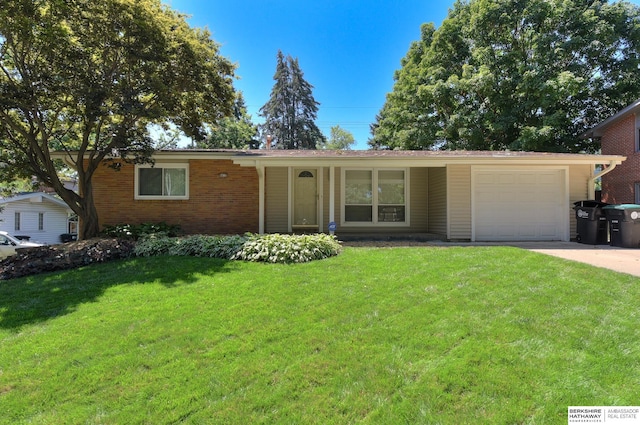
<point x="30" y="261"/>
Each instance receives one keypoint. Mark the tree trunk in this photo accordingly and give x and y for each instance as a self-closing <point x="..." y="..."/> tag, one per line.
<point x="89" y="225"/>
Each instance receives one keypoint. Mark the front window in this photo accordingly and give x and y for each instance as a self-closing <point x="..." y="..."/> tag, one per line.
<point x="40" y="221"/>
<point x="375" y="196"/>
<point x="358" y="193"/>
<point x="162" y="181"/>
<point x="17" y="221"/>
<point x="391" y="196"/>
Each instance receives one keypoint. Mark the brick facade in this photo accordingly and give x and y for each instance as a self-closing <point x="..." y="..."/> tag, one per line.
<point x="216" y="205"/>
<point x="619" y="138"/>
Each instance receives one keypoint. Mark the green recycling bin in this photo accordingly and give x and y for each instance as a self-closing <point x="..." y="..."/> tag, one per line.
<point x="591" y="223"/>
<point x="624" y="225"/>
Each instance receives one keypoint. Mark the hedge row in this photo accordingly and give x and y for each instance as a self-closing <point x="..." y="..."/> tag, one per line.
<point x="271" y="248"/>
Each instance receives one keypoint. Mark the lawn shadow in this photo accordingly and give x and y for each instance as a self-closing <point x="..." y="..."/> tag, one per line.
<point x="38" y="298"/>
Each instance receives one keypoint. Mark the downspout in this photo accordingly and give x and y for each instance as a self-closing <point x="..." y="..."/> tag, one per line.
<point x="591" y="188"/>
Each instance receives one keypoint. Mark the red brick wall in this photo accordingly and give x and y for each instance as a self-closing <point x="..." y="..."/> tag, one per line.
<point x="215" y="205"/>
<point x="619" y="139"/>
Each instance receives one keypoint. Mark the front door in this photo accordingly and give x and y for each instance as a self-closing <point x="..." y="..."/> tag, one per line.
<point x="305" y="198"/>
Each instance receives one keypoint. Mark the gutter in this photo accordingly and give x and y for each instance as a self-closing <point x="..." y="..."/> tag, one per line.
<point x="592" y="181"/>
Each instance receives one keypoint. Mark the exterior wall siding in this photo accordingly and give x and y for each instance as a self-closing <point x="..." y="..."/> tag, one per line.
<point x="419" y="198"/>
<point x="338" y="195"/>
<point x="438" y="201"/>
<point x="578" y="191"/>
<point x="324" y="225"/>
<point x="215" y="205"/>
<point x="55" y="220"/>
<point x="459" y="202"/>
<point x="277" y="200"/>
<point x="619" y="138"/>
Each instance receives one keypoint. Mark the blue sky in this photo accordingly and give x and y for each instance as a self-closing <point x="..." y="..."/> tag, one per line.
<point x="347" y="49"/>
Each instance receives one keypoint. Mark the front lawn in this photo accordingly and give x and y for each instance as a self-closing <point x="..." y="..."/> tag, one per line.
<point x="482" y="335"/>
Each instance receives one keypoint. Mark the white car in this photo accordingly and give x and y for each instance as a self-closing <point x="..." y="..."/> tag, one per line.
<point x="9" y="244"/>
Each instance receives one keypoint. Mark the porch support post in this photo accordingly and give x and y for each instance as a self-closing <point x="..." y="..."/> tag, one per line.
<point x="260" y="169"/>
<point x="332" y="195"/>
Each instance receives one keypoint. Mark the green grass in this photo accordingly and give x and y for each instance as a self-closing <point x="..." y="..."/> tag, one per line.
<point x="373" y="336"/>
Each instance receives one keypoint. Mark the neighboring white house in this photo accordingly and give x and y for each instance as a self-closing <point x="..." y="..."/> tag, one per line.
<point x="40" y="216"/>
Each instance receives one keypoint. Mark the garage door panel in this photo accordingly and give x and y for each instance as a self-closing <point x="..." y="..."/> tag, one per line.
<point x="526" y="231"/>
<point x="519" y="204"/>
<point x="525" y="178"/>
<point x="486" y="179"/>
<point x="549" y="231"/>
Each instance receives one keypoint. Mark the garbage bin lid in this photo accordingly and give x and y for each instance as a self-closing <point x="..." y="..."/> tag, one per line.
<point x="622" y="207"/>
<point x="589" y="203"/>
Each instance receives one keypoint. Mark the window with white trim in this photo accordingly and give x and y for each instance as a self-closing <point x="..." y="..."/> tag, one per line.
<point x="374" y="196"/>
<point x="16" y="221"/>
<point x="162" y="181"/>
<point x="41" y="221"/>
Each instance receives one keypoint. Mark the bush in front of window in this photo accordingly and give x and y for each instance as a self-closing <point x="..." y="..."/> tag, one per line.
<point x="277" y="248"/>
<point x="137" y="231"/>
<point x="272" y="248"/>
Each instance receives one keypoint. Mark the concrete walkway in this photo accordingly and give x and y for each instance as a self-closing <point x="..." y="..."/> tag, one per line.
<point x="624" y="260"/>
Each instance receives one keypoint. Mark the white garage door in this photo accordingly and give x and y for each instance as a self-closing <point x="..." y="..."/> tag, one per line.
<point x="519" y="205"/>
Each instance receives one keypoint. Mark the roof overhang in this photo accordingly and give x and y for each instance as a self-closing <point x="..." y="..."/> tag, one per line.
<point x="599" y="129"/>
<point x="418" y="158"/>
<point x="386" y="158"/>
<point x="36" y="197"/>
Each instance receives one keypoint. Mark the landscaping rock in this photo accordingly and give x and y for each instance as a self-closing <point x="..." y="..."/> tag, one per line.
<point x="29" y="261"/>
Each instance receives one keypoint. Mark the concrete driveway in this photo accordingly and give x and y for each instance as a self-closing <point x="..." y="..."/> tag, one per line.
<point x="624" y="260"/>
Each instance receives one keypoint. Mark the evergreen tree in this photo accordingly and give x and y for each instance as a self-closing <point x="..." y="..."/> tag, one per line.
<point x="291" y="110"/>
<point x="514" y="74"/>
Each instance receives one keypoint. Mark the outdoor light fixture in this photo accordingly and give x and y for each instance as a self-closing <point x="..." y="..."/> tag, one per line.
<point x="223" y="175"/>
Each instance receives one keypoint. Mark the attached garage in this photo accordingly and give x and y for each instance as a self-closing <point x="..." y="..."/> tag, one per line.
<point x="520" y="204"/>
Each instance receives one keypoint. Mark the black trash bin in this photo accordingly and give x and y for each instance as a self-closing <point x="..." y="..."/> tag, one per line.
<point x="591" y="222"/>
<point x="624" y="224"/>
<point x="68" y="237"/>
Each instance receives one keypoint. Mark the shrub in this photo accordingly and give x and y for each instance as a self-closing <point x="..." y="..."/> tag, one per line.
<point x="273" y="248"/>
<point x="197" y="246"/>
<point x="137" y="231"/>
<point x="276" y="248"/>
<point x="150" y="245"/>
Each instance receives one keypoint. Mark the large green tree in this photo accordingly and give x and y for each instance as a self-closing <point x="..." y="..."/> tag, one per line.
<point x="514" y="74"/>
<point x="339" y="139"/>
<point x="89" y="78"/>
<point x="291" y="110"/>
<point x="233" y="132"/>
